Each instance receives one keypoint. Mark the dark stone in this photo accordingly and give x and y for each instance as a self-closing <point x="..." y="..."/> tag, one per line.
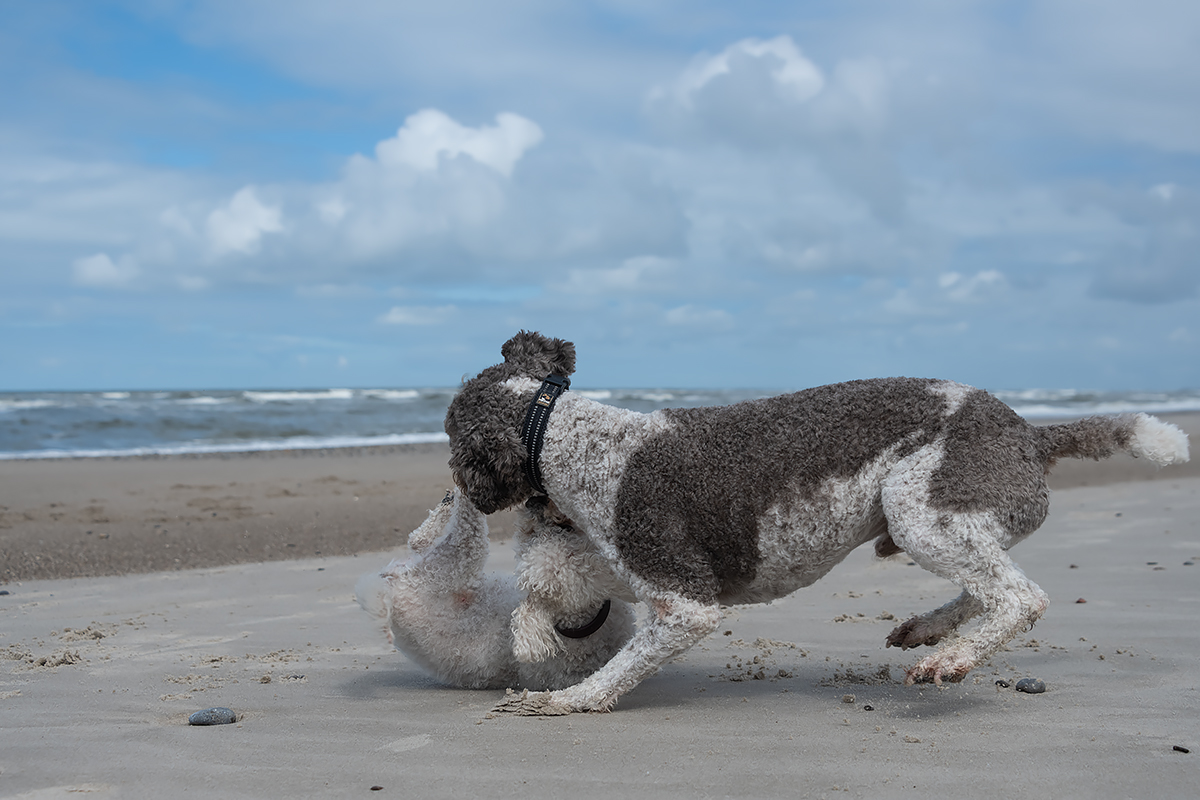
<point x="1003" y="684"/>
<point x="213" y="716"/>
<point x="1031" y="686"/>
<point x="1179" y="749"/>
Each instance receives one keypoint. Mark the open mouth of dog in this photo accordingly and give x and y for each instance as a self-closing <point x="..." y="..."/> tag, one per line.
<point x="694" y="508"/>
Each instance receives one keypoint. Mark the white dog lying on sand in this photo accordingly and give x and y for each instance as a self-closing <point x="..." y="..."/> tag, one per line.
<point x="456" y="623"/>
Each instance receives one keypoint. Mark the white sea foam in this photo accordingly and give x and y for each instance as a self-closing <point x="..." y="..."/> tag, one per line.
<point x="197" y="448"/>
<point x="21" y="405"/>
<point x="205" y="400"/>
<point x="298" y="397"/>
<point x="1044" y="411"/>
<point x="391" y="394"/>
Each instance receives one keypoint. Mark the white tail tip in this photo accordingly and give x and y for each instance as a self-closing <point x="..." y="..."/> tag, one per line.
<point x="1161" y="442"/>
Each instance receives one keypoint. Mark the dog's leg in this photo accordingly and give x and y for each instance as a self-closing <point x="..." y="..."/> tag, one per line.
<point x="456" y="557"/>
<point x="969" y="554"/>
<point x="1012" y="603"/>
<point x="534" y="636"/>
<point x="966" y="548"/>
<point x="931" y="628"/>
<point x="676" y="624"/>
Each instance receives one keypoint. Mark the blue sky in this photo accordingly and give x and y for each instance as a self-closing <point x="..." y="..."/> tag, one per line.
<point x="291" y="193"/>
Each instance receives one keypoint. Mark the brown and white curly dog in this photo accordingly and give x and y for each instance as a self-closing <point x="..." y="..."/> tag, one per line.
<point x="746" y="503"/>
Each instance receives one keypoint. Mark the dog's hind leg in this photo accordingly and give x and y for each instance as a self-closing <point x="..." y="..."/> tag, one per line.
<point x="968" y="549"/>
<point x="676" y="623"/>
<point x="970" y="556"/>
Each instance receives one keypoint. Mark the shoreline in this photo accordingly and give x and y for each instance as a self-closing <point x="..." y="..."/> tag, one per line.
<point x="98" y="516"/>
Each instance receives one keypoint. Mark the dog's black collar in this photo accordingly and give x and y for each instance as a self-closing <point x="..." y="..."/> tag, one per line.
<point x="535" y="427"/>
<point x="584" y="631"/>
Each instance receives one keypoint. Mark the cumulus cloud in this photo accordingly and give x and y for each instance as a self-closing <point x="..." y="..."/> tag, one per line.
<point x="769" y="100"/>
<point x="238" y="226"/>
<point x="429" y="135"/>
<point x="791" y="72"/>
<point x="100" y="270"/>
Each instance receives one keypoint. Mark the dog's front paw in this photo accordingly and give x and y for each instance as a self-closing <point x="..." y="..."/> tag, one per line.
<point x="914" y="633"/>
<point x="532" y="704"/>
<point x="939" y="667"/>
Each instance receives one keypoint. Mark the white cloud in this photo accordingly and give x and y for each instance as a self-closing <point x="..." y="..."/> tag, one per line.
<point x="418" y="315"/>
<point x="100" y="270"/>
<point x="798" y="77"/>
<point x="430" y="134"/>
<point x="238" y="227"/>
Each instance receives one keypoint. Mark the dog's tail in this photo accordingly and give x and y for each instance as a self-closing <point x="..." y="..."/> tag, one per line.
<point x="1140" y="435"/>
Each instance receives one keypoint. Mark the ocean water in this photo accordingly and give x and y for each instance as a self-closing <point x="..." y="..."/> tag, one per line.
<point x="98" y="424"/>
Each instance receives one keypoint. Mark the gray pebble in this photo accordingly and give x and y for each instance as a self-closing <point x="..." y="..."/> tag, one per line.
<point x="213" y="716"/>
<point x="1031" y="686"/>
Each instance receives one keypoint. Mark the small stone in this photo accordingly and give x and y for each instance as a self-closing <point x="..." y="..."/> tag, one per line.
<point x="213" y="716"/>
<point x="1189" y="563"/>
<point x="1003" y="684"/>
<point x="1031" y="686"/>
<point x="1081" y="600"/>
<point x="3" y="591"/>
<point x="1179" y="749"/>
<point x="868" y="708"/>
<point x="847" y="698"/>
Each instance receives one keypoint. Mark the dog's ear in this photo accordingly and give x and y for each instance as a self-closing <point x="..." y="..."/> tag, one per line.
<point x="487" y="456"/>
<point x="492" y="479"/>
<point x="537" y="356"/>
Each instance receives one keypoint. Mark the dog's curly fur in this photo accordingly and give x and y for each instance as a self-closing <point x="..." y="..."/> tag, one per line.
<point x="693" y="508"/>
<point x="451" y="619"/>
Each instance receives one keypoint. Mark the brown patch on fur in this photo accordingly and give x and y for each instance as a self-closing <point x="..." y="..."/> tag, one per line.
<point x="690" y="501"/>
<point x="992" y="462"/>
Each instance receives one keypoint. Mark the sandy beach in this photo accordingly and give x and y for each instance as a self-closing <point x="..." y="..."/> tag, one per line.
<point x="140" y="590"/>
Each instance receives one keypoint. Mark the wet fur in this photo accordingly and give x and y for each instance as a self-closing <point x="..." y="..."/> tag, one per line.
<point x="694" y="508"/>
